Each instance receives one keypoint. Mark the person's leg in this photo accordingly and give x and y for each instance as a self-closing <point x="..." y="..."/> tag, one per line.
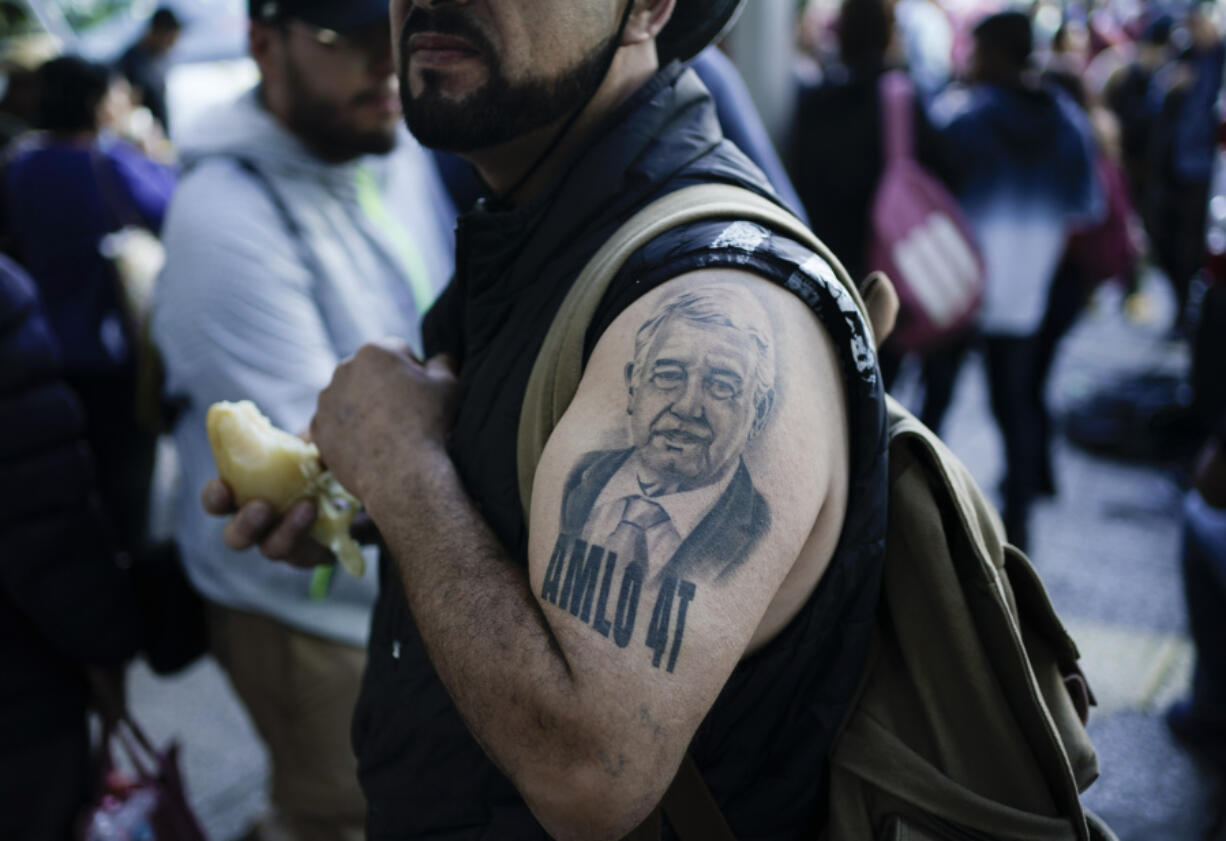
<point x="1011" y="366"/>
<point x="300" y="691"/>
<point x="1064" y="305"/>
<point x="1191" y="208"/>
<point x="940" y="372"/>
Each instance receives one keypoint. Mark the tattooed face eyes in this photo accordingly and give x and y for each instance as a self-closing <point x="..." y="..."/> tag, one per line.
<point x="672" y="376"/>
<point x="668" y="376"/>
<point x="690" y="417"/>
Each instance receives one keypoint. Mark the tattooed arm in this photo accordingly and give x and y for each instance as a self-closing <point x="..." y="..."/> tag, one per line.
<point x="684" y="510"/>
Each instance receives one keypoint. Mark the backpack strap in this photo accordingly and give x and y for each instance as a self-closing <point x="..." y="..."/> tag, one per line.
<point x="559" y="365"/>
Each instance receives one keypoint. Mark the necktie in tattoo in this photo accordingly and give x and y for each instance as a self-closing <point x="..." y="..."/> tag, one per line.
<point x="629" y="539"/>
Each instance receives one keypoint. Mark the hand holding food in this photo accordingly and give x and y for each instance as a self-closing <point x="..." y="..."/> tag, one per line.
<point x="259" y="461"/>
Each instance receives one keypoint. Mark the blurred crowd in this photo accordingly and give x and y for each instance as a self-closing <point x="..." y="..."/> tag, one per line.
<point x="1081" y="143"/>
<point x="1065" y="146"/>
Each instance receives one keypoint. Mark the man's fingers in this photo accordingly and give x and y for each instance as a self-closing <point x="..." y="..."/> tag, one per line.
<point x="217" y="499"/>
<point x="397" y="346"/>
<point x="250" y="525"/>
<point x="279" y="543"/>
<point x="441" y="366"/>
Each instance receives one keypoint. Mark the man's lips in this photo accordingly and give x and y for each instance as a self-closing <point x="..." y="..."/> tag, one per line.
<point x="681" y="436"/>
<point x="433" y="45"/>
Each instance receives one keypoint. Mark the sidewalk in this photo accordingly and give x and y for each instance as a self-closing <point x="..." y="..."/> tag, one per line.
<point x="1107" y="548"/>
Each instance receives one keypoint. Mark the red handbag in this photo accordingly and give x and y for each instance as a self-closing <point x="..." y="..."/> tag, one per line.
<point x="919" y="236"/>
<point x="149" y="804"/>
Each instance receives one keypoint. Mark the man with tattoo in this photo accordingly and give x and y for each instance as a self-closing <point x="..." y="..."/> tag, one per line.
<point x="698" y="566"/>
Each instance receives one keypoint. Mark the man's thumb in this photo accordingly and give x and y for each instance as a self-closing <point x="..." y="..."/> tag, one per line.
<point x="441" y="367"/>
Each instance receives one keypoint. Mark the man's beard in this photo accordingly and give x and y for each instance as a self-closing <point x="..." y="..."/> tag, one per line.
<point x="325" y="129"/>
<point x="501" y="110"/>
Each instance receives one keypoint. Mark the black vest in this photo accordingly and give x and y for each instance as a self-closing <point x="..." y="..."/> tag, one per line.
<point x="762" y="746"/>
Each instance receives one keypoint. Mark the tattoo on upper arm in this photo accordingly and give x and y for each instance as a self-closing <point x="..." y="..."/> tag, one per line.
<point x="676" y="508"/>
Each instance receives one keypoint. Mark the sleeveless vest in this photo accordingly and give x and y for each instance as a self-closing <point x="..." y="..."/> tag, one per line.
<point x="762" y="746"/>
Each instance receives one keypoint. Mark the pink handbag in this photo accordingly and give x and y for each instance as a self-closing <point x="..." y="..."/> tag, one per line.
<point x="919" y="236"/>
<point x="152" y="805"/>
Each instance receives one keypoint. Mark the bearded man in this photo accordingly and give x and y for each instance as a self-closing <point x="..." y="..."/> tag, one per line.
<point x="538" y="675"/>
<point x="308" y="224"/>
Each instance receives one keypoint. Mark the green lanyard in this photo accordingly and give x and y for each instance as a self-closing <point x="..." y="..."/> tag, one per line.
<point x="372" y="204"/>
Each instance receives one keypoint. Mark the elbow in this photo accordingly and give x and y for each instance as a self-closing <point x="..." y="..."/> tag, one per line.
<point x="600" y="801"/>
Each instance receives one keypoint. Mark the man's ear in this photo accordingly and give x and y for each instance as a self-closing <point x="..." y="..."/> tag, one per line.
<point x="761" y="413"/>
<point x="629" y="387"/>
<point x="647" y="20"/>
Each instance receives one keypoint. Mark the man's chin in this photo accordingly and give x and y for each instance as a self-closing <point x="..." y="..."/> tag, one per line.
<point x="380" y="142"/>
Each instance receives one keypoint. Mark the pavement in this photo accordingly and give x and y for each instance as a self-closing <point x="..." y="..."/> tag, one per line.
<point x="1107" y="547"/>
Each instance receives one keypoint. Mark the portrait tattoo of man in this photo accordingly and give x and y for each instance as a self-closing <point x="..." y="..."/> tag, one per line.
<point x="677" y="507"/>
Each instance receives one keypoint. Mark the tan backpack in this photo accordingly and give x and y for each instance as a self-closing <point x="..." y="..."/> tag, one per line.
<point x="968" y="722"/>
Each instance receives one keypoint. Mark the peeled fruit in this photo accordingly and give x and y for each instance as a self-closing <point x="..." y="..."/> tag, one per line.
<point x="259" y="461"/>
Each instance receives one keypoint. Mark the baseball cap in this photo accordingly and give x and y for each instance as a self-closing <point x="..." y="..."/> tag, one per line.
<point x="339" y="15"/>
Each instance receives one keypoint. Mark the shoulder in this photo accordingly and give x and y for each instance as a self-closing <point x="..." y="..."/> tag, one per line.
<point x="226" y="243"/>
<point x="752" y="250"/>
<point x="217" y="199"/>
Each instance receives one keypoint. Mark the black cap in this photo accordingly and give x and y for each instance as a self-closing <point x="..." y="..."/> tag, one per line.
<point x="694" y="25"/>
<point x="1008" y="34"/>
<point x="340" y="15"/>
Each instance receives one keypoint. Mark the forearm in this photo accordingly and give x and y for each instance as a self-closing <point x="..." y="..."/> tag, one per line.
<point x="493" y="649"/>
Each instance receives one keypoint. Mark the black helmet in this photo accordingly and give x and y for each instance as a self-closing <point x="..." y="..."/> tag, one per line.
<point x="694" y="25"/>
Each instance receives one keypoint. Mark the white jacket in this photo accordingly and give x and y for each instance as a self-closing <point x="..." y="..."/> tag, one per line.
<point x="252" y="305"/>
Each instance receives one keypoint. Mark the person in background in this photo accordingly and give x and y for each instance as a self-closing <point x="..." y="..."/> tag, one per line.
<point x="928" y="44"/>
<point x="20" y="59"/>
<point x="1199" y="721"/>
<point x="1106" y="249"/>
<point x="1182" y="156"/>
<point x="1128" y="95"/>
<point x="66" y="190"/>
<point x="145" y="63"/>
<point x="837" y="153"/>
<point x="308" y="223"/>
<point x="1026" y="159"/>
<point x="65" y="604"/>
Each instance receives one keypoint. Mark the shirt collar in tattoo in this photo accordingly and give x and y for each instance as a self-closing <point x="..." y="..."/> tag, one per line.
<point x="684" y="508"/>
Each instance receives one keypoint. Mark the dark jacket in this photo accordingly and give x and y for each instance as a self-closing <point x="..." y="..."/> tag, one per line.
<point x="762" y="747"/>
<point x="836" y="158"/>
<point x="64" y="603"/>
